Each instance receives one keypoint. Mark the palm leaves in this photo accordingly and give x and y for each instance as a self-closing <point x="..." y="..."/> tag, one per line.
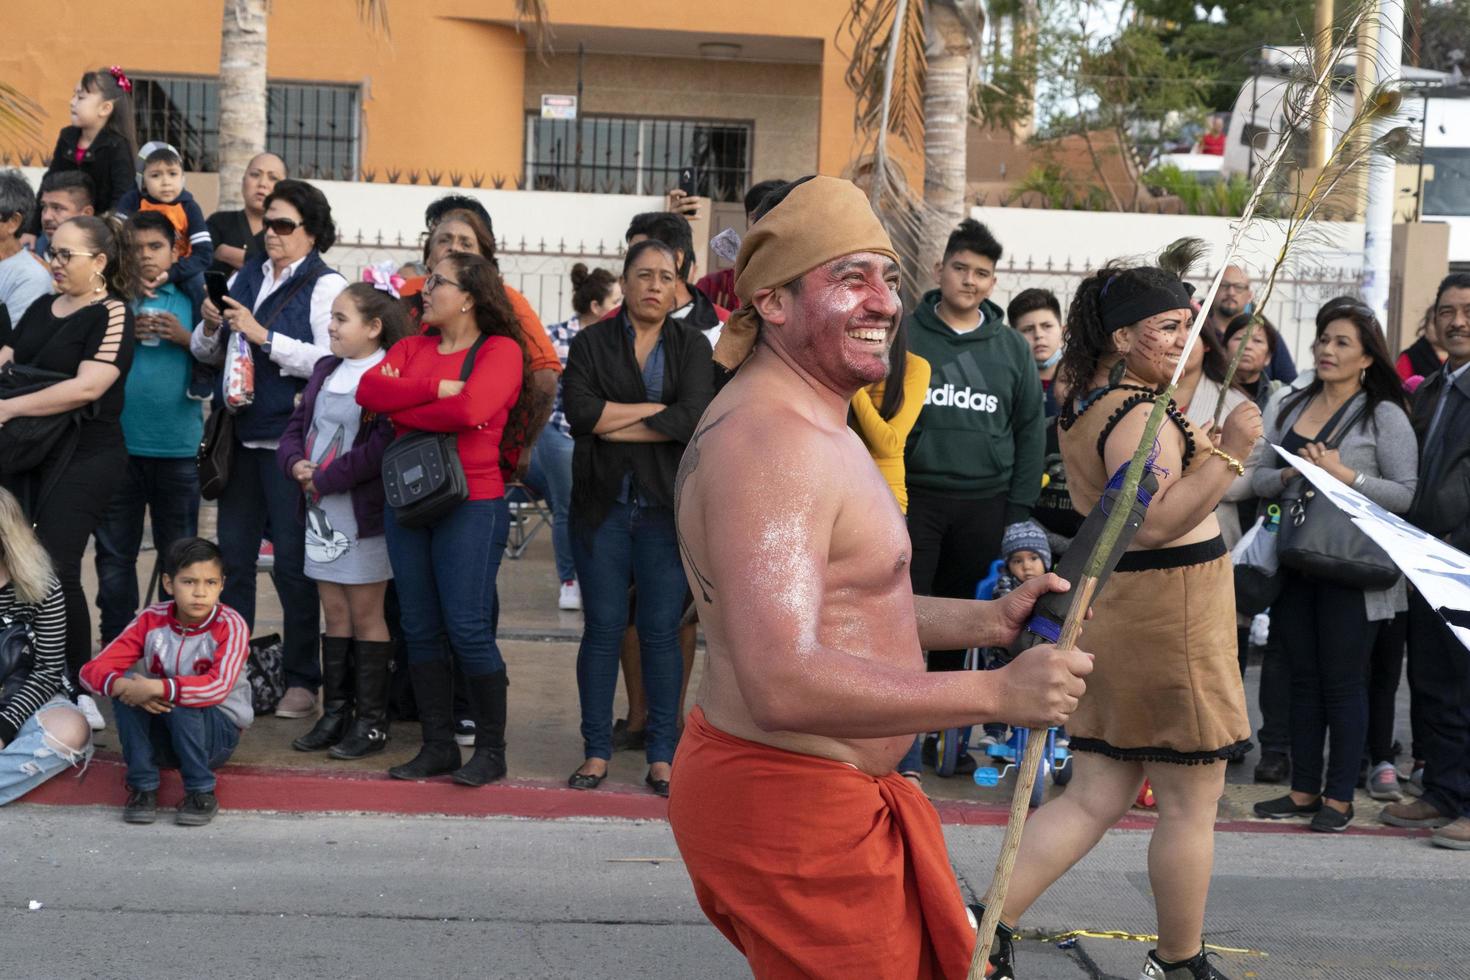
<point x="888" y="72"/>
<point x="20" y="115"/>
<point x="535" y="14"/>
<point x="374" y="13"/>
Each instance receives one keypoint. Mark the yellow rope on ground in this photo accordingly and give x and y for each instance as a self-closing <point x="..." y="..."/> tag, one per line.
<point x="1132" y="937"/>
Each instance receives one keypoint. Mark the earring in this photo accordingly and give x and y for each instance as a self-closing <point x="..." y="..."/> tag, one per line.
<point x="464" y="309"/>
<point x="101" y="286"/>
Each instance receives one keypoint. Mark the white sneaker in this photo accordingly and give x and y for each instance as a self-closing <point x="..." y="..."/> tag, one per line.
<point x="1383" y="782"/>
<point x="1260" y="629"/>
<point x="89" y="710"/>
<point x="571" y="597"/>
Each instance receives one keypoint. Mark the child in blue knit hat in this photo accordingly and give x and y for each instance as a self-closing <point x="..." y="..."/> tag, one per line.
<point x="1027" y="555"/>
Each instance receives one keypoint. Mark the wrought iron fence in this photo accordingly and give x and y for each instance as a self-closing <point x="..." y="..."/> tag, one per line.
<point x="314" y="128"/>
<point x="628" y="155"/>
<point x="1292" y="307"/>
<point x="541" y="270"/>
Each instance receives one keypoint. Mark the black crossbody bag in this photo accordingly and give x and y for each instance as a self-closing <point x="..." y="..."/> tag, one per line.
<point x="1319" y="539"/>
<point x="423" y="478"/>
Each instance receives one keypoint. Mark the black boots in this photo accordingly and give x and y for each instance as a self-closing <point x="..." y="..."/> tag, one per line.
<point x="336" y="696"/>
<point x="487" y="702"/>
<point x="433" y="689"/>
<point x="372" y="676"/>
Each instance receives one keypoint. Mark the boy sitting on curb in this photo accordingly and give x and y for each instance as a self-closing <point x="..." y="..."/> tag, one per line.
<point x="178" y="687"/>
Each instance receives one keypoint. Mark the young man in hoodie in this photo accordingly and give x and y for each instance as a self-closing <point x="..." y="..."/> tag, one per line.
<point x="974" y="459"/>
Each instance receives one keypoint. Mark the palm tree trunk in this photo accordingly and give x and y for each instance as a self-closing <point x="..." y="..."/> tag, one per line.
<point x="946" y="119"/>
<point x="242" y="93"/>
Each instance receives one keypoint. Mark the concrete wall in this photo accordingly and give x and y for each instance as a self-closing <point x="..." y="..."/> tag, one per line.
<point x="439" y="93"/>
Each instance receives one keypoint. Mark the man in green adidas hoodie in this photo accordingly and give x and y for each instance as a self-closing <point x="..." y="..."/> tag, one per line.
<point x="974" y="459"/>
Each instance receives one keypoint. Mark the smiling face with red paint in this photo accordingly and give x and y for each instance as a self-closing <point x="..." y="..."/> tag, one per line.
<point x="839" y="323"/>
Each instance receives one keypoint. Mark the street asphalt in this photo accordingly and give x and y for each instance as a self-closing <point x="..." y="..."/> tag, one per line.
<point x="325" y="896"/>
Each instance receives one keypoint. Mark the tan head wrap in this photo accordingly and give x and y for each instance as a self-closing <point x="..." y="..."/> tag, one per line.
<point x="820" y="220"/>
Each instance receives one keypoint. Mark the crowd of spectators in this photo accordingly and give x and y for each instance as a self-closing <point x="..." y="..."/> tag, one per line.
<point x="305" y="382"/>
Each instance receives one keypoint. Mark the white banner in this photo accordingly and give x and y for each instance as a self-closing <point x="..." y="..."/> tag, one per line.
<point x="1439" y="572"/>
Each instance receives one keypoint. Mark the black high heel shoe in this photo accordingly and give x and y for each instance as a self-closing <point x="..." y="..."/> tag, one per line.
<point x="659" y="786"/>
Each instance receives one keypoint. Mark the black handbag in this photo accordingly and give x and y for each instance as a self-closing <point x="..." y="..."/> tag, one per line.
<point x="17" y="657"/>
<point x="423" y="479"/>
<point x="27" y="441"/>
<point x="215" y="452"/>
<point x="1318" y="538"/>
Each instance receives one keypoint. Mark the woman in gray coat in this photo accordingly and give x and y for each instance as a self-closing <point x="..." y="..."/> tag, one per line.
<point x="1328" y="629"/>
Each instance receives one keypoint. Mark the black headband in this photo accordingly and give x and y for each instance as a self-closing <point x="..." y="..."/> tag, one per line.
<point x="1124" y="300"/>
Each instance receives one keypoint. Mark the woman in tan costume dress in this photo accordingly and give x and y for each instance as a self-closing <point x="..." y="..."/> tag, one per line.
<point x="1165" y="700"/>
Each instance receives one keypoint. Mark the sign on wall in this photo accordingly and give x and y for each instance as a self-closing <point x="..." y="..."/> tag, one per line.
<point x="559" y="107"/>
<point x="1439" y="572"/>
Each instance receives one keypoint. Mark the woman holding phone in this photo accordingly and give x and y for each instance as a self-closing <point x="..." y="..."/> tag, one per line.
<point x="281" y="307"/>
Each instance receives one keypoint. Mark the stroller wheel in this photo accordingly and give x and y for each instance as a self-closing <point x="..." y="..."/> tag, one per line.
<point x="947" y="754"/>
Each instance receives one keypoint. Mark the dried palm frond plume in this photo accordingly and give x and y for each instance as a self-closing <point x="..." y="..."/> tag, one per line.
<point x="534" y="16"/>
<point x="20" y="115"/>
<point x="374" y="13"/>
<point x="1334" y="188"/>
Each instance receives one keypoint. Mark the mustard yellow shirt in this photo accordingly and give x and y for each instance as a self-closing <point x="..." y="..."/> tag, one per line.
<point x="885" y="438"/>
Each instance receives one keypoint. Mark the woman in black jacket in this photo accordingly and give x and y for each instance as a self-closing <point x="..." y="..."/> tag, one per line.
<point x="634" y="389"/>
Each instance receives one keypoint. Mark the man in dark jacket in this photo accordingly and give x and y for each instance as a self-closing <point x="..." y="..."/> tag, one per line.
<point x="1439" y="664"/>
<point x="974" y="458"/>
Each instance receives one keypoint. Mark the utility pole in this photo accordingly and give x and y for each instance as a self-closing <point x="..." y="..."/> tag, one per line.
<point x="1321" y="147"/>
<point x="1383" y="49"/>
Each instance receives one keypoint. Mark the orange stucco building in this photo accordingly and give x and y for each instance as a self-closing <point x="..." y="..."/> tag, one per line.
<point x="752" y="90"/>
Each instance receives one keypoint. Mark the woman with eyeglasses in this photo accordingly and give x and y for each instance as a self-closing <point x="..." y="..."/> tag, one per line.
<point x="282" y="308"/>
<point x="445" y="572"/>
<point x="86" y="334"/>
<point x="1350" y="421"/>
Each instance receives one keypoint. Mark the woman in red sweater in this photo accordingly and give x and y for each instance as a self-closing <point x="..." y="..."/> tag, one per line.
<point x="445" y="573"/>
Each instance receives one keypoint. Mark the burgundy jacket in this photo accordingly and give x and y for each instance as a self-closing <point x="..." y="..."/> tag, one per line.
<point x="358" y="471"/>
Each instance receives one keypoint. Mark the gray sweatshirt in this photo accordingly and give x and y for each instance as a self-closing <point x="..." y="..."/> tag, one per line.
<point x="1383" y="450"/>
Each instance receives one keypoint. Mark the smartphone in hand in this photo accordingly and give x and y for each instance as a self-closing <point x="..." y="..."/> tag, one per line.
<point x="217" y="285"/>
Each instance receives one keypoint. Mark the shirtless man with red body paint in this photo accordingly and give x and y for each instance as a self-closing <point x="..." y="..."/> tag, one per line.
<point x="806" y="848"/>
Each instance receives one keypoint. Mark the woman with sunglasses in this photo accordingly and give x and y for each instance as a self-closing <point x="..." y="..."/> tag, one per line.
<point x="282" y="307"/>
<point x="85" y="333"/>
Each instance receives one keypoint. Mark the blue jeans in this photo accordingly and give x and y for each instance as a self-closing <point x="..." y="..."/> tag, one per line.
<point x="445" y="577"/>
<point x="33" y="757"/>
<point x="634" y="545"/>
<point x="258" y="499"/>
<point x="168" y="491"/>
<point x="551" y="476"/>
<point x="196" y="740"/>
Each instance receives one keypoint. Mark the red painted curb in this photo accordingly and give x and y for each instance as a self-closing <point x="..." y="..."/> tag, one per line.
<point x="314" y="791"/>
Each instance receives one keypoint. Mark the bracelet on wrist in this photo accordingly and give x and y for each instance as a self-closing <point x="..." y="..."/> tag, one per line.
<point x="1230" y="460"/>
<point x="1360" y="479"/>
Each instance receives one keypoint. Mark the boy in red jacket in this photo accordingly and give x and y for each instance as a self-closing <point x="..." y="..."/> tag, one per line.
<point x="179" y="692"/>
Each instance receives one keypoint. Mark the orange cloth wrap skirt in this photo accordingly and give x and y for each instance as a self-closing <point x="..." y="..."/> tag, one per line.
<point x="813" y="868"/>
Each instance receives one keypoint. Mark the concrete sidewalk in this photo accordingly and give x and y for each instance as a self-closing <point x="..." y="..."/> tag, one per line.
<point x="544" y="745"/>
